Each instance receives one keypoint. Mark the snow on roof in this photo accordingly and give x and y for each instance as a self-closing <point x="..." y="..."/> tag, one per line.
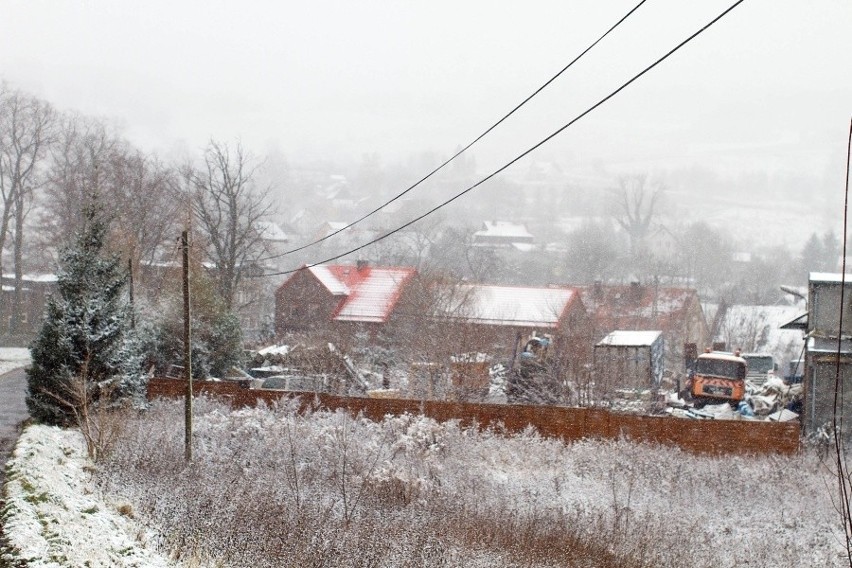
<point x="271" y="231"/>
<point x="503" y="229"/>
<point x="329" y="279"/>
<point x="635" y="302"/>
<point x="372" y="298"/>
<point x="274" y="350"/>
<point x="758" y="329"/>
<point x="829" y="277"/>
<point x="624" y="338"/>
<point x="829" y="345"/>
<point x="722" y="355"/>
<point x="514" y="306"/>
<point x="34" y="277"/>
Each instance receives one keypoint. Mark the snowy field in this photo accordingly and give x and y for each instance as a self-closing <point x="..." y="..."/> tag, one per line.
<point x="13" y="357"/>
<point x="269" y="487"/>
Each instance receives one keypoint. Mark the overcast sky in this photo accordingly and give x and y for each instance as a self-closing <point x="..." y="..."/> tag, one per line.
<point x="768" y="88"/>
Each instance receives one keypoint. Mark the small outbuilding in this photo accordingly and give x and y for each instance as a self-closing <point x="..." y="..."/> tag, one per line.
<point x="629" y="360"/>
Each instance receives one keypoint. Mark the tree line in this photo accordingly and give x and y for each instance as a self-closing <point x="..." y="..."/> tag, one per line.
<point x="53" y="165"/>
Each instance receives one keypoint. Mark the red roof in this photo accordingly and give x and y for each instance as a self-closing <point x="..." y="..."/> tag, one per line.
<point x="637" y="307"/>
<point x="368" y="293"/>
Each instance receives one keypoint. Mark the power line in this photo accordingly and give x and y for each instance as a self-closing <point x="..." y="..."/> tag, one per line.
<point x="526" y="152"/>
<point x="463" y="150"/>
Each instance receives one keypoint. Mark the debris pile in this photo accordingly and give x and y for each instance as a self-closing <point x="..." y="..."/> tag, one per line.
<point x="773" y="400"/>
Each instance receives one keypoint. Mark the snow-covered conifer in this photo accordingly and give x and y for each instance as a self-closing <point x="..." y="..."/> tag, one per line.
<point x="86" y="353"/>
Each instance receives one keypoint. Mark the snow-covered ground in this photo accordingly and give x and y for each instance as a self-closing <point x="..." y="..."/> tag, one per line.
<point x="13" y="357"/>
<point x="53" y="516"/>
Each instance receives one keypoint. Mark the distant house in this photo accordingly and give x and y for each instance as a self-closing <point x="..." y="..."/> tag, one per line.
<point x="499" y="317"/>
<point x="271" y="232"/>
<point x="503" y="234"/>
<point x="343" y="236"/>
<point x="676" y="312"/>
<point x="34" y="292"/>
<point x="662" y="243"/>
<point x="829" y="348"/>
<point x="758" y="329"/>
<point x="322" y="297"/>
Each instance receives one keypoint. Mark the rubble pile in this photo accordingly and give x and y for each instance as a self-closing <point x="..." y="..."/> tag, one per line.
<point x="774" y="400"/>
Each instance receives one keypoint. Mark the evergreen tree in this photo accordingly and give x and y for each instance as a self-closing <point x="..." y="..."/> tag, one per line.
<point x="86" y="353"/>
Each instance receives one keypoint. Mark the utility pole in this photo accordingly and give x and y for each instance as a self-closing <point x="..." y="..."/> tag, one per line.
<point x="130" y="284"/>
<point x="187" y="351"/>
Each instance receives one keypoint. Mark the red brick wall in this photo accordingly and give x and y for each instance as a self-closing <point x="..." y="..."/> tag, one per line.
<point x="569" y="424"/>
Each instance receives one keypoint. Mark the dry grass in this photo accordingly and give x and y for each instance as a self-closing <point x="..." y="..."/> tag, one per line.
<point x="275" y="488"/>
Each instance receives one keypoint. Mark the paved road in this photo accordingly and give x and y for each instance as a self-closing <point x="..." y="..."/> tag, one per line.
<point x="13" y="411"/>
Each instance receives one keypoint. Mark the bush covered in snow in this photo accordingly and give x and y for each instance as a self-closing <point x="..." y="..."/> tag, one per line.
<point x="271" y="487"/>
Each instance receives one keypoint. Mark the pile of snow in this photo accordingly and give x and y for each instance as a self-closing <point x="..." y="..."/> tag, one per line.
<point x="13" y="357"/>
<point x="54" y="518"/>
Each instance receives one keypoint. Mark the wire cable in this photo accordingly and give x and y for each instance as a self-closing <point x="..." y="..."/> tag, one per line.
<point x="523" y="154"/>
<point x="467" y="147"/>
<point x="839" y="397"/>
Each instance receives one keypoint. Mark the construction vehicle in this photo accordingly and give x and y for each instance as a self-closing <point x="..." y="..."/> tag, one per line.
<point x="718" y="376"/>
<point x="535" y="376"/>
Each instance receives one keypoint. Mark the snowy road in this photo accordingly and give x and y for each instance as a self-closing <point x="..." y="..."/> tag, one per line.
<point x="13" y="411"/>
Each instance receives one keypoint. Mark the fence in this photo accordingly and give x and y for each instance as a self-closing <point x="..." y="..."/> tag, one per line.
<point x="716" y="437"/>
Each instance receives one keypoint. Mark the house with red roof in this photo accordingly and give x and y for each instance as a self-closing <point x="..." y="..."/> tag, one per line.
<point x="677" y="312"/>
<point x="329" y="296"/>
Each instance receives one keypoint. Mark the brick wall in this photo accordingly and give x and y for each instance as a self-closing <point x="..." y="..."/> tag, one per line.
<point x="716" y="437"/>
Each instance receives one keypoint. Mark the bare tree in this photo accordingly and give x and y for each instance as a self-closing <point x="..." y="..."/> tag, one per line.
<point x="455" y="253"/>
<point x="80" y="158"/>
<point x="636" y="200"/>
<point x="144" y="192"/>
<point x="138" y="190"/>
<point x="25" y="134"/>
<point x="228" y="206"/>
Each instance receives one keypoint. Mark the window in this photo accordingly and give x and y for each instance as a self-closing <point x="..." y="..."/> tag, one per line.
<point x="720" y="368"/>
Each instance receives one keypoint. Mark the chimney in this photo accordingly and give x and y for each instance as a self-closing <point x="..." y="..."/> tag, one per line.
<point x="635" y="290"/>
<point x="361" y="265"/>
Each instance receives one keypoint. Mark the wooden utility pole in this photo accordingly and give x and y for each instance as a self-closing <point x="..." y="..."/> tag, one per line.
<point x="130" y="283"/>
<point x="187" y="351"/>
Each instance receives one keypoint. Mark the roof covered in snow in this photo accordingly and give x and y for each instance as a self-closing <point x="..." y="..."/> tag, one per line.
<point x="515" y="305"/>
<point x="34" y="277"/>
<point x="640" y="307"/>
<point x="504" y="230"/>
<point x="373" y="296"/>
<point x="758" y="329"/>
<point x="367" y="293"/>
<point x="829" y="277"/>
<point x="331" y="278"/>
<point x="626" y="338"/>
<point x="270" y="231"/>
